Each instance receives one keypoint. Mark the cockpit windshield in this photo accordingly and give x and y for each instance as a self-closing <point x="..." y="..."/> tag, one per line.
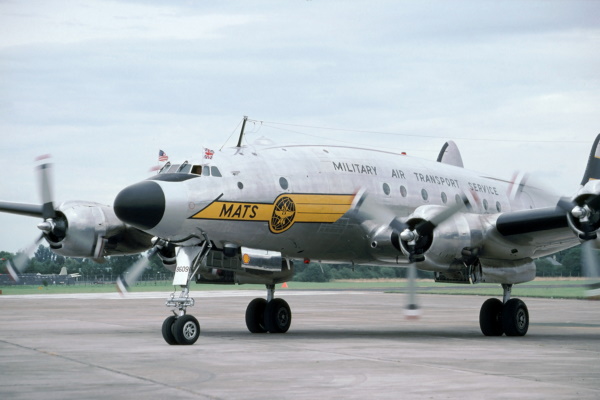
<point x="187" y="168"/>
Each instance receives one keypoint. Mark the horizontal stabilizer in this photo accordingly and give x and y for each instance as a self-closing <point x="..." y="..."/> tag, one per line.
<point x="592" y="171"/>
<point x="450" y="155"/>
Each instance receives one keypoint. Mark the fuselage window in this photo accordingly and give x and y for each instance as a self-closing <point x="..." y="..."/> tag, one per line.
<point x="283" y="183"/>
<point x="458" y="199"/>
<point x="403" y="191"/>
<point x="444" y="198"/>
<point x="485" y="204"/>
<point x="386" y="189"/>
<point x="240" y="185"/>
<point x="424" y="194"/>
<point x="197" y="170"/>
<point x="214" y="171"/>
<point x="498" y="206"/>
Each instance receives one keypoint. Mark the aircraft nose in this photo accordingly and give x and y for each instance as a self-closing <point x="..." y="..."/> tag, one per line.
<point x="141" y="205"/>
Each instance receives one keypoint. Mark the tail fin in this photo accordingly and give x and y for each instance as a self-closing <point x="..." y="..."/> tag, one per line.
<point x="450" y="154"/>
<point x="592" y="171"/>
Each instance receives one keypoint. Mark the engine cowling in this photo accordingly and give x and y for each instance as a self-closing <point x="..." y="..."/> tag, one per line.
<point x="87" y="229"/>
<point x="448" y="242"/>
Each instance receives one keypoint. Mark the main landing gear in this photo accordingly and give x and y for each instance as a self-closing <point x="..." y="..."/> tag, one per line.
<point x="509" y="316"/>
<point x="270" y="315"/>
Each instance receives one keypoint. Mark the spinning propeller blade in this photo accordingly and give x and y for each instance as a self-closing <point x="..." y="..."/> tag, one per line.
<point x="586" y="213"/>
<point x="133" y="273"/>
<point x="365" y="208"/>
<point x="46" y="211"/>
<point x="18" y="264"/>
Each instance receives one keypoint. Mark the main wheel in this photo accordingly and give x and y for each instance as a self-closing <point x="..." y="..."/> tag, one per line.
<point x="167" y="330"/>
<point x="490" y="317"/>
<point x="278" y="316"/>
<point x="255" y="315"/>
<point x="515" y="318"/>
<point x="186" y="330"/>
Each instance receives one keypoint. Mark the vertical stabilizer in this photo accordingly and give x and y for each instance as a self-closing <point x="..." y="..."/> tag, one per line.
<point x="450" y="154"/>
<point x="592" y="171"/>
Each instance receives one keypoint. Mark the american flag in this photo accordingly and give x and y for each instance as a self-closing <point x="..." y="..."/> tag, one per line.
<point x="162" y="156"/>
<point x="208" y="153"/>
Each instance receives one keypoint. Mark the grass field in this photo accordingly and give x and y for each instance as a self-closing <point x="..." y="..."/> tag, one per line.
<point x="546" y="288"/>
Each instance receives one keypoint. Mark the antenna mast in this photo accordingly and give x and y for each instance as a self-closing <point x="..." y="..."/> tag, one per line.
<point x="242" y="131"/>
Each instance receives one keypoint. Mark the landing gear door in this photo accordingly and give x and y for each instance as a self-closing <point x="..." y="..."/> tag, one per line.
<point x="264" y="260"/>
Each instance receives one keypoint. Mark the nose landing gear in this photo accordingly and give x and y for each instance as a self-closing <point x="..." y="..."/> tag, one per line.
<point x="182" y="328"/>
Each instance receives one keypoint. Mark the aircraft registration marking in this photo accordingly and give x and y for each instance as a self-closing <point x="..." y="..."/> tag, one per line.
<point x="286" y="210"/>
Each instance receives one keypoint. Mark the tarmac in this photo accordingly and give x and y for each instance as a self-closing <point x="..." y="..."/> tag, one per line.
<point x="341" y="345"/>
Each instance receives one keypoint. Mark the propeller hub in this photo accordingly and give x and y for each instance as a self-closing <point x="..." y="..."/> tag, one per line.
<point x="580" y="212"/>
<point x="408" y="236"/>
<point x="47" y="226"/>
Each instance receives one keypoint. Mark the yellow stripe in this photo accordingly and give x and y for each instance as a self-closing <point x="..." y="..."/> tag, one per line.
<point x="315" y="208"/>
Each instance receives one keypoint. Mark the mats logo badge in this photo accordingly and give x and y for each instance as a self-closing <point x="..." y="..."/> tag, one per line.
<point x="285" y="211"/>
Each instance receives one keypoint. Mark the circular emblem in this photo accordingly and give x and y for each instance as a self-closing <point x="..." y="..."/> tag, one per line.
<point x="283" y="215"/>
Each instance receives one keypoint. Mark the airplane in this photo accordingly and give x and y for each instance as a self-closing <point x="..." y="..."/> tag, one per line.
<point x="248" y="214"/>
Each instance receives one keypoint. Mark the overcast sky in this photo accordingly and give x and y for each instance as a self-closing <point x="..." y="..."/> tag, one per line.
<point x="103" y="85"/>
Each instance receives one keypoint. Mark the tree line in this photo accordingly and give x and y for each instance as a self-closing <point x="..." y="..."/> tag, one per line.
<point x="566" y="263"/>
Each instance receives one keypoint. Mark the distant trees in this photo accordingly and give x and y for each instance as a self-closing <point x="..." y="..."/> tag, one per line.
<point x="46" y="262"/>
<point x="565" y="263"/>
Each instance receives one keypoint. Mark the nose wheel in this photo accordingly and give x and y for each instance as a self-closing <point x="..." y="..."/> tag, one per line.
<point x="184" y="330"/>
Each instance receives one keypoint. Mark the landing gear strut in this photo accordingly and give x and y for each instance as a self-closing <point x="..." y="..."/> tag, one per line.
<point x="509" y="316"/>
<point x="270" y="315"/>
<point x="182" y="328"/>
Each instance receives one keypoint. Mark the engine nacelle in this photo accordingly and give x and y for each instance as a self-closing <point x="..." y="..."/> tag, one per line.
<point x="87" y="229"/>
<point x="449" y="241"/>
<point x="591" y="216"/>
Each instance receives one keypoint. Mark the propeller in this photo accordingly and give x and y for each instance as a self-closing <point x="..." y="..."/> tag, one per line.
<point x="415" y="237"/>
<point x="587" y="214"/>
<point x="51" y="226"/>
<point x="133" y="273"/>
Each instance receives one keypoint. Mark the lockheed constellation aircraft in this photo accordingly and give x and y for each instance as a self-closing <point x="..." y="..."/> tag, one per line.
<point x="247" y="214"/>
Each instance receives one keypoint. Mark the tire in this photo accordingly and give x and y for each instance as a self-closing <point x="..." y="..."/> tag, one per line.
<point x="490" y="317"/>
<point x="186" y="330"/>
<point x="255" y="316"/>
<point x="278" y="316"/>
<point x="515" y="318"/>
<point x="167" y="330"/>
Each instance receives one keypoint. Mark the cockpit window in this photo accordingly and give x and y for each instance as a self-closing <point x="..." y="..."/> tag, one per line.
<point x="185" y="168"/>
<point x="165" y="168"/>
<point x="214" y="171"/>
<point x="173" y="169"/>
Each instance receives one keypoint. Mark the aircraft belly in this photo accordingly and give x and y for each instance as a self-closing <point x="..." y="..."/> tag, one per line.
<point x="340" y="240"/>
